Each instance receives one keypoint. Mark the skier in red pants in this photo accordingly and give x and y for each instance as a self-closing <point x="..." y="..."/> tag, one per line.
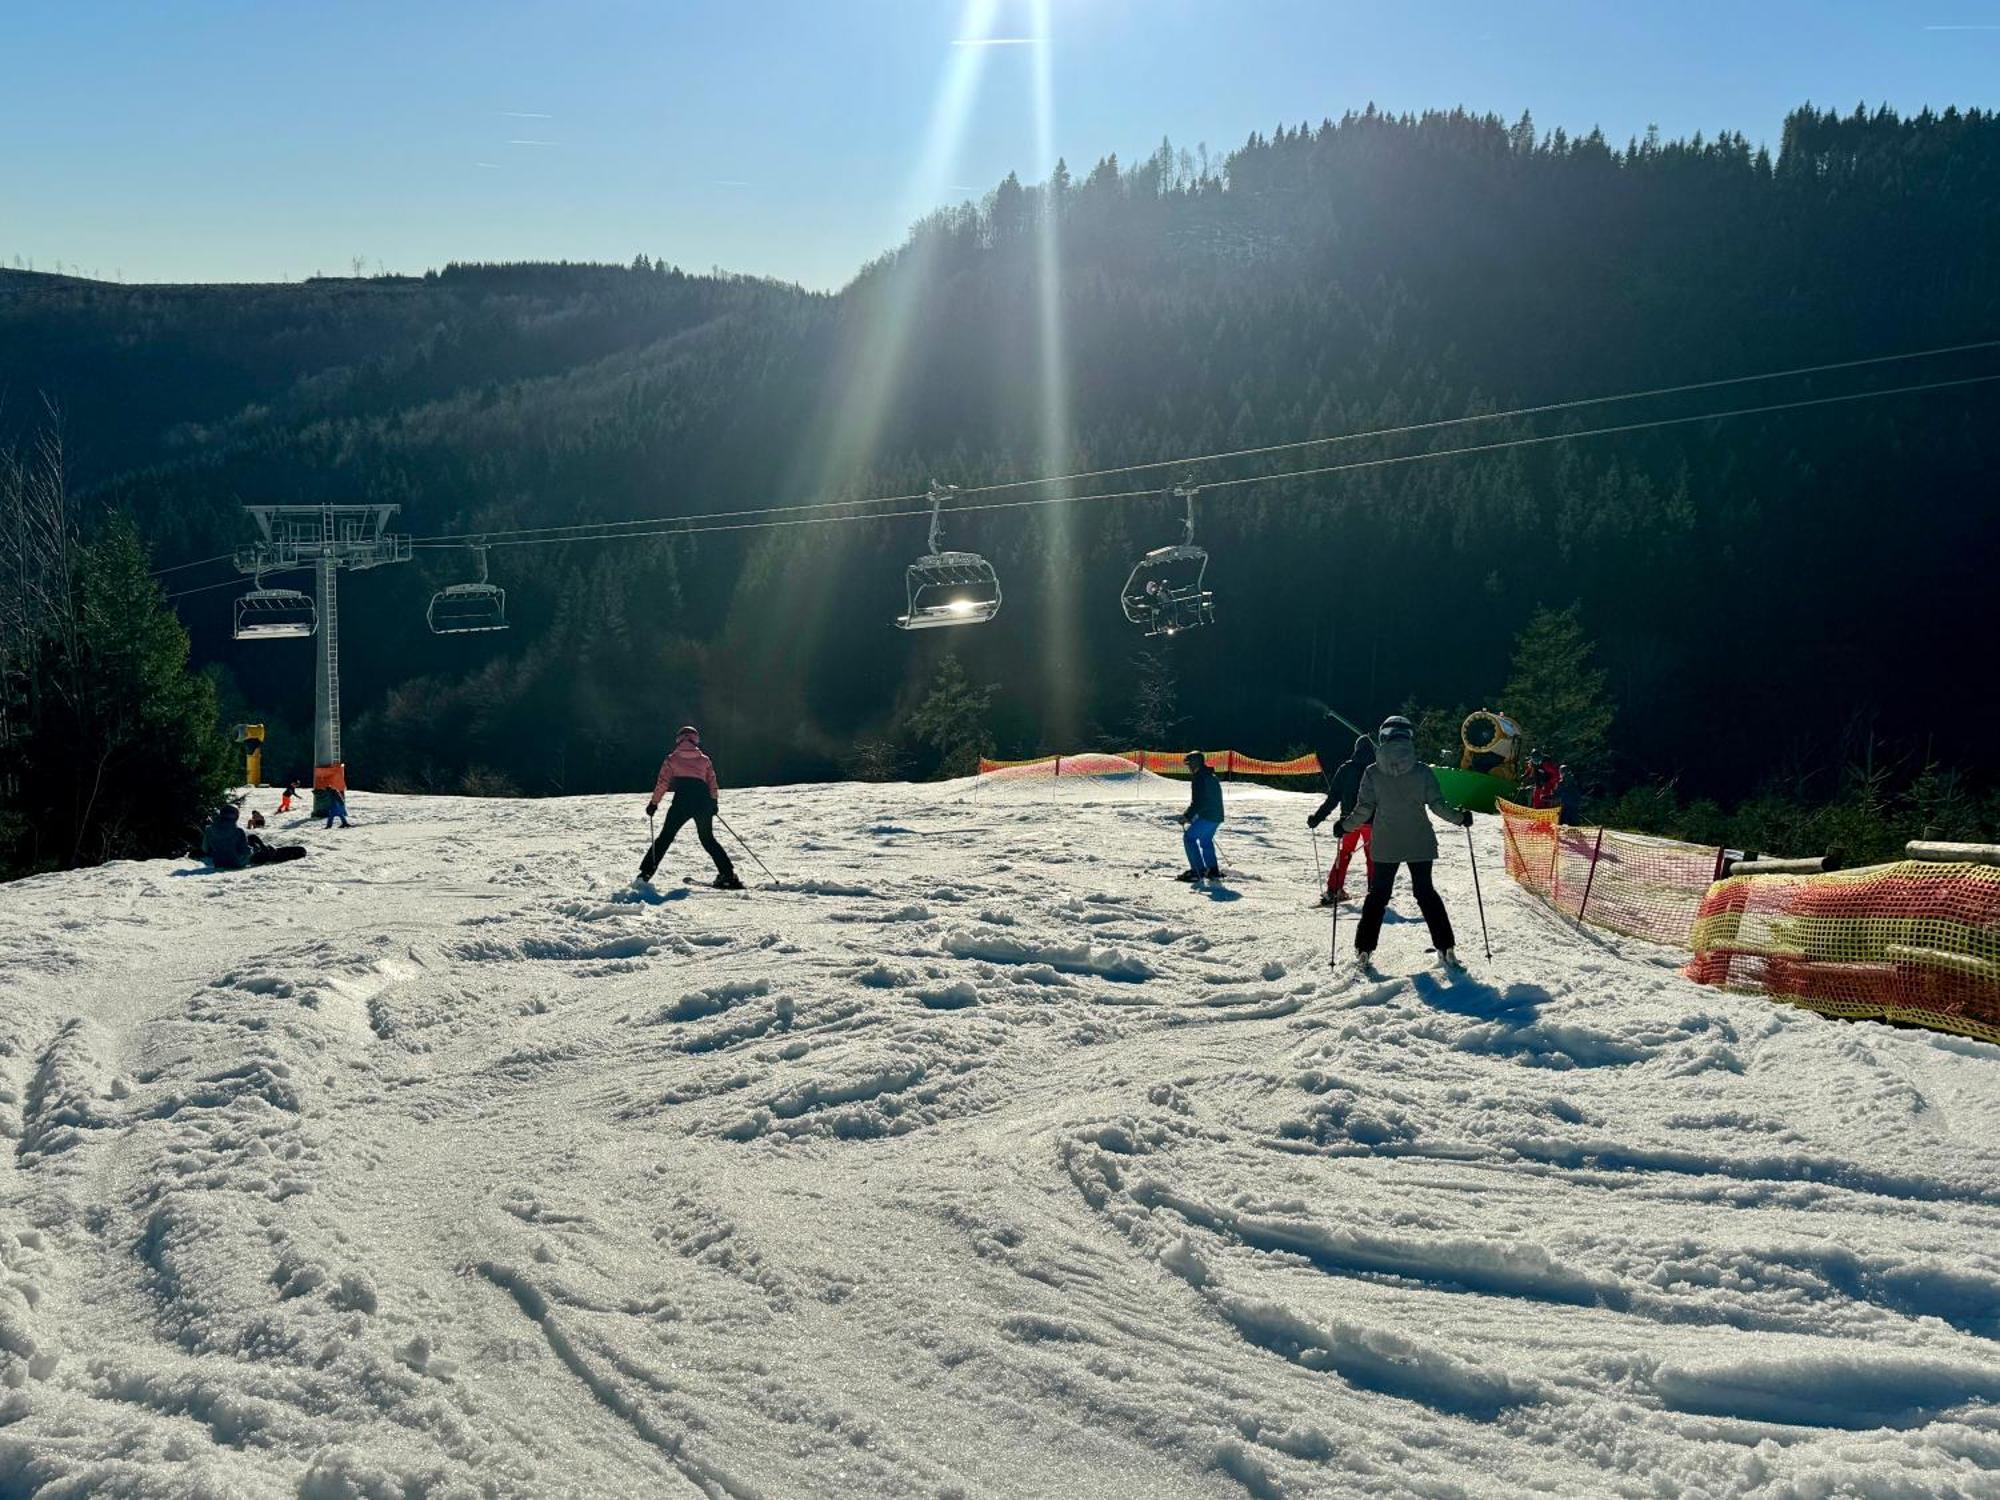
<point x="1342" y="787"/>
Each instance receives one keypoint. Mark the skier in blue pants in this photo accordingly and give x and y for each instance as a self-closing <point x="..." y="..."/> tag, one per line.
<point x="1202" y="818"/>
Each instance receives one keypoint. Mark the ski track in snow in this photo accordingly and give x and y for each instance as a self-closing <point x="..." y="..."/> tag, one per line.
<point x="982" y="1159"/>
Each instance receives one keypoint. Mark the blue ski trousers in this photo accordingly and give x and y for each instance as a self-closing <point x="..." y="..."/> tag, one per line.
<point x="1199" y="841"/>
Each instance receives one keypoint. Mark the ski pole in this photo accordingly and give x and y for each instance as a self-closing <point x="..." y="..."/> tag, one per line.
<point x="1319" y="873"/>
<point x="748" y="850"/>
<point x="1484" y="941"/>
<point x="1333" y="940"/>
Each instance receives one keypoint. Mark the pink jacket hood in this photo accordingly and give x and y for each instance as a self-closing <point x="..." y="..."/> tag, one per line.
<point x="687" y="758"/>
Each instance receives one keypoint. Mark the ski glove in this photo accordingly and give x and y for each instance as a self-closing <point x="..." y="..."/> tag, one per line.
<point x="651" y="808"/>
<point x="1313" y="820"/>
<point x="1465" y="817"/>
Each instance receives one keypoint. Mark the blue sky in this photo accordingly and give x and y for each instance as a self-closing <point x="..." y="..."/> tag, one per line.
<point x="267" y="139"/>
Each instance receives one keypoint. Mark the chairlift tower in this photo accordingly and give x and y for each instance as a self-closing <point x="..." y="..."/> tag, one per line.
<point x="325" y="538"/>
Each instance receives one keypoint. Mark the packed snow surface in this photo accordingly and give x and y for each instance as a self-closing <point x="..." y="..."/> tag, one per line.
<point x="981" y="1159"/>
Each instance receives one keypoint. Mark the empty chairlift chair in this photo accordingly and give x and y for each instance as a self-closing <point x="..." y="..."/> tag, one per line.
<point x="275" y="615"/>
<point x="468" y="608"/>
<point x="1165" y="594"/>
<point x="949" y="588"/>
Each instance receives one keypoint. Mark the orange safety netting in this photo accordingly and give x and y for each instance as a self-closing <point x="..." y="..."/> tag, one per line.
<point x="1160" y="762"/>
<point x="1913" y="941"/>
<point x="1627" y="883"/>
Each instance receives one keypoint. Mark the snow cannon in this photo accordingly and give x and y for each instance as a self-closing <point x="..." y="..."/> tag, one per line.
<point x="250" y="740"/>
<point x="1489" y="745"/>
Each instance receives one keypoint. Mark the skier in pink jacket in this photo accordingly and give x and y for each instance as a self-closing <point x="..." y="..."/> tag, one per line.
<point x="689" y="775"/>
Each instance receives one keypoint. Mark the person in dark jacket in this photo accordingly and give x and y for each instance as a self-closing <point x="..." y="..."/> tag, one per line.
<point x="336" y="807"/>
<point x="1202" y="818"/>
<point x="1342" y="789"/>
<point x="1567" y="797"/>
<point x="228" y="847"/>
<point x="1394" y="794"/>
<point x="689" y="775"/>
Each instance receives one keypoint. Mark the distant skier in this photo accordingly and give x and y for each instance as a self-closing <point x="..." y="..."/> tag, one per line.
<point x="226" y="846"/>
<point x="291" y="791"/>
<point x="697" y="796"/>
<point x="1202" y="818"/>
<point x="1394" y="793"/>
<point x="1343" y="787"/>
<point x="336" y="807"/>
<point x="256" y="819"/>
<point x="1547" y="776"/>
<point x="1567" y="797"/>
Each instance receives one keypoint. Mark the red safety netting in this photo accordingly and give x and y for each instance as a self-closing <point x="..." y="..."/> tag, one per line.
<point x="1627" y="883"/>
<point x="1090" y="763"/>
<point x="1160" y="762"/>
<point x="1913" y="941"/>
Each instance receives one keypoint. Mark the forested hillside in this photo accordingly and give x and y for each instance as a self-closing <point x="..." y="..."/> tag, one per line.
<point x="1773" y="596"/>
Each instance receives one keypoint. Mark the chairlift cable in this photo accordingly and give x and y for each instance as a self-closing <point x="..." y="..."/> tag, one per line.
<point x="607" y="529"/>
<point x="788" y="516"/>
<point x="691" y="525"/>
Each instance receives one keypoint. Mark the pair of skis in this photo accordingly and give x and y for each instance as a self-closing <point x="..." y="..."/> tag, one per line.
<point x="1453" y="964"/>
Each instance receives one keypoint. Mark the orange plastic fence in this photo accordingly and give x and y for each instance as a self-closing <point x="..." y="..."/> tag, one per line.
<point x="1160" y="762"/>
<point x="1913" y="941"/>
<point x="1627" y="883"/>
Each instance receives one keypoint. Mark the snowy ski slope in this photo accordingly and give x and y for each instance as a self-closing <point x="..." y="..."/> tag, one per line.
<point x="983" y="1160"/>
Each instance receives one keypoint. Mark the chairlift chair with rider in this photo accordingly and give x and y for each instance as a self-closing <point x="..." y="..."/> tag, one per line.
<point x="275" y="614"/>
<point x="1164" y="595"/>
<point x="468" y="608"/>
<point x="949" y="588"/>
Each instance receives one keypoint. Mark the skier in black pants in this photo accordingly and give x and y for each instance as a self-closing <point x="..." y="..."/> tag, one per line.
<point x="697" y="796"/>
<point x="1394" y="793"/>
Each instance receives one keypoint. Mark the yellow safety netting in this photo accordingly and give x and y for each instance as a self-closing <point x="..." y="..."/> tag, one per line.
<point x="1912" y="941"/>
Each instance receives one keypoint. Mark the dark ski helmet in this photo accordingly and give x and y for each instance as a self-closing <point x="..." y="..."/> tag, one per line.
<point x="687" y="732"/>
<point x="1396" y="727"/>
<point x="1194" y="758"/>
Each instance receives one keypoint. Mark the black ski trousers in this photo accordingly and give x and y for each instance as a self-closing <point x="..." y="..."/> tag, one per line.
<point x="679" y="814"/>
<point x="1381" y="881"/>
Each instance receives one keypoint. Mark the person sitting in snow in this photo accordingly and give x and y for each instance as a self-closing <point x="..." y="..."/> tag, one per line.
<point x="256" y="818"/>
<point x="1343" y="787"/>
<point x="690" y="775"/>
<point x="1202" y="818"/>
<point x="1394" y="793"/>
<point x="226" y="846"/>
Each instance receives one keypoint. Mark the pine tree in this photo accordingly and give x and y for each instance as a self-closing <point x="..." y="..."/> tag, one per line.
<point x="1554" y="692"/>
<point x="952" y="719"/>
<point x="117" y="754"/>
<point x="1155" y="696"/>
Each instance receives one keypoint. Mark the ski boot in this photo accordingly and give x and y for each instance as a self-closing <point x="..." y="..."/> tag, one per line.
<point x="728" y="880"/>
<point x="1213" y="872"/>
<point x="1188" y="877"/>
<point x="1450" y="959"/>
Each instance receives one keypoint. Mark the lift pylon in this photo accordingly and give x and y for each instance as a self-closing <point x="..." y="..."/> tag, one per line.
<point x="325" y="538"/>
